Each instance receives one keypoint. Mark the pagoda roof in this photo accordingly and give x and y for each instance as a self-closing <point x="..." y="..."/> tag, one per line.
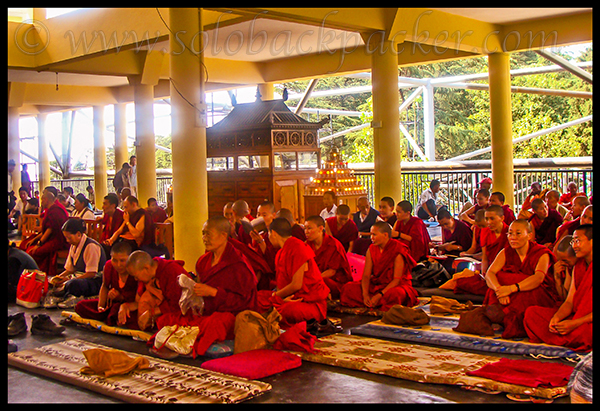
<point x="262" y="114"/>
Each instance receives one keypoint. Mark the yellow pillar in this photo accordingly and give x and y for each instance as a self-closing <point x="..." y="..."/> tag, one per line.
<point x="386" y="123"/>
<point x="501" y="125"/>
<point x="44" y="161"/>
<point x="267" y="91"/>
<point x="121" y="152"/>
<point x="190" y="185"/>
<point x="100" y="177"/>
<point x="14" y="147"/>
<point x="143" y="96"/>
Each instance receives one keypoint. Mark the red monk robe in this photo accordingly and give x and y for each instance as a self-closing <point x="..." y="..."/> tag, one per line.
<point x="235" y="282"/>
<point x="345" y="235"/>
<point x="537" y="319"/>
<point x="567" y="228"/>
<point x="419" y="245"/>
<point x="313" y="293"/>
<point x="514" y="271"/>
<point x="491" y="246"/>
<point x="509" y="215"/>
<point x="332" y="256"/>
<point x="258" y="262"/>
<point x="382" y="274"/>
<point x="545" y="230"/>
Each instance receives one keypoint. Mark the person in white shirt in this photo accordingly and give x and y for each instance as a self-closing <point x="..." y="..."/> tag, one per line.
<point x="330" y="207"/>
<point x="429" y="202"/>
<point x="133" y="175"/>
<point x="82" y="208"/>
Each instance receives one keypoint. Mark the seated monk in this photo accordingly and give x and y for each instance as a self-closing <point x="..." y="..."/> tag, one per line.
<point x="301" y="293"/>
<point x="411" y="231"/>
<point x="364" y="219"/>
<point x="535" y="191"/>
<point x="520" y="276"/>
<point x="566" y="199"/>
<point x="570" y="325"/>
<point x="479" y="224"/>
<point x="563" y="268"/>
<point x="498" y="198"/>
<point x="456" y="237"/>
<point x="112" y="219"/>
<point x="156" y="213"/>
<point x="260" y="241"/>
<point x="386" y="211"/>
<point x="342" y="228"/>
<point x="297" y="229"/>
<point x="568" y="227"/>
<point x="482" y="201"/>
<point x="136" y="228"/>
<point x="160" y="291"/>
<point x="551" y="200"/>
<point x="330" y="255"/>
<point x="118" y="288"/>
<point x="492" y="240"/>
<point x="386" y="279"/>
<point x="242" y="226"/>
<point x="43" y="247"/>
<point x="544" y="223"/>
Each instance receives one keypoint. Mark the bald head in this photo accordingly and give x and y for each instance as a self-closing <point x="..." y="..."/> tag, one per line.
<point x="219" y="223"/>
<point x="522" y="223"/>
<point x="287" y="214"/>
<point x="240" y="208"/>
<point x="139" y="265"/>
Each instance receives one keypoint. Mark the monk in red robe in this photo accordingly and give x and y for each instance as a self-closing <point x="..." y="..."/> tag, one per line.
<point x="301" y="293"/>
<point x="112" y="219"/>
<point x="492" y="240"/>
<point x="498" y="198"/>
<point x="520" y="276"/>
<point x="411" y="231"/>
<point x="457" y="236"/>
<point x="482" y="201"/>
<point x="297" y="229"/>
<point x="342" y="227"/>
<point x="242" y="226"/>
<point x="43" y="247"/>
<point x="545" y="222"/>
<point x="386" y="279"/>
<point x="118" y="288"/>
<point x="566" y="199"/>
<point x="260" y="240"/>
<point x="570" y="325"/>
<point x="568" y="227"/>
<point x="330" y="255"/>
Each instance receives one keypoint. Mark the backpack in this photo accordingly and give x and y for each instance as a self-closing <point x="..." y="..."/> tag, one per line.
<point x="31" y="288"/>
<point x="429" y="274"/>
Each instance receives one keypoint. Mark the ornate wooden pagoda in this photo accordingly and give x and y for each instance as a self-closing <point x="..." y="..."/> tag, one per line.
<point x="261" y="151"/>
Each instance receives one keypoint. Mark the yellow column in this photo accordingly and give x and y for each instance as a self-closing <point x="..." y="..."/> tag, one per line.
<point x="267" y="91"/>
<point x="44" y="161"/>
<point x="190" y="186"/>
<point x="501" y="125"/>
<point x="100" y="177"/>
<point x="386" y="123"/>
<point x="143" y="96"/>
<point x="121" y="152"/>
<point x="14" y="147"/>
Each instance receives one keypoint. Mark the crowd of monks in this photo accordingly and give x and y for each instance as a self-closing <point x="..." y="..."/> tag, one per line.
<point x="537" y="266"/>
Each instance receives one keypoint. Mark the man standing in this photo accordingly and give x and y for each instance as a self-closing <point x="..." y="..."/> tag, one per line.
<point x="133" y="175"/>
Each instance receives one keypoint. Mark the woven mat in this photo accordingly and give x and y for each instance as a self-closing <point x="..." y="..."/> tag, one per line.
<point x="415" y="363"/>
<point x="165" y="382"/>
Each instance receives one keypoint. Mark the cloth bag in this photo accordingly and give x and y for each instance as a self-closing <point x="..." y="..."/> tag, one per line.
<point x="180" y="339"/>
<point x="31" y="288"/>
<point x="107" y="363"/>
<point x="254" y="331"/>
<point x="429" y="274"/>
<point x="442" y="305"/>
<point x="401" y="315"/>
<point x="189" y="299"/>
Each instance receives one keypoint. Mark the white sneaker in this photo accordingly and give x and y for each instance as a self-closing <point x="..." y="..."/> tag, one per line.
<point x="70" y="302"/>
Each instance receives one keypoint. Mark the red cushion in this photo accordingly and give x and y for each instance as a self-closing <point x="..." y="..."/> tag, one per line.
<point x="254" y="364"/>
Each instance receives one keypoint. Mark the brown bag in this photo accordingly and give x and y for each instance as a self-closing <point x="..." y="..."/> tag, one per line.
<point x="254" y="331"/>
<point x="149" y="301"/>
<point x="442" y="305"/>
<point x="401" y="315"/>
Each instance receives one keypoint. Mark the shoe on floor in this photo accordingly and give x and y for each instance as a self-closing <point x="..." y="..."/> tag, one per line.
<point x="12" y="347"/>
<point x="70" y="302"/>
<point x="42" y="324"/>
<point x="51" y="301"/>
<point x="16" y="324"/>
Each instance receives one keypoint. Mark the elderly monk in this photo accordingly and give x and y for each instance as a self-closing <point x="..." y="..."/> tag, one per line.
<point x="301" y="293"/>
<point x="570" y="325"/>
<point x="520" y="276"/>
<point x="342" y="228"/>
<point x="545" y="222"/>
<point x="43" y="247"/>
<point x="386" y="279"/>
<point x="411" y="231"/>
<point x="330" y="255"/>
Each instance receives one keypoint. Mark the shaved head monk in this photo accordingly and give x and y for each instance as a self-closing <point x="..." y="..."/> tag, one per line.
<point x="330" y="255"/>
<point x="520" y="276"/>
<point x="386" y="279"/>
<point x="571" y="324"/>
<point x="585" y="217"/>
<point x="297" y="229"/>
<point x="342" y="227"/>
<point x="563" y="267"/>
<point x="260" y="241"/>
<point x="241" y="226"/>
<point x="498" y="198"/>
<point x="411" y="231"/>
<point x="226" y="282"/>
<point x="545" y="222"/>
<point x="301" y="293"/>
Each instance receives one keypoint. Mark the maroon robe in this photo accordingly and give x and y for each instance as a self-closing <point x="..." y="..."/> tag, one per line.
<point x="514" y="271"/>
<point x="158" y="216"/>
<point x="346" y="234"/>
<point x="331" y="255"/>
<point x="537" y="318"/>
<point x="462" y="235"/>
<point x="567" y="228"/>
<point x="257" y="261"/>
<point x="381" y="275"/>
<point x="545" y="230"/>
<point x="298" y="232"/>
<point x="419" y="245"/>
<point x="111" y="224"/>
<point x="509" y="215"/>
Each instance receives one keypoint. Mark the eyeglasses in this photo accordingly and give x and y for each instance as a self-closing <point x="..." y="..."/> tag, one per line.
<point x="574" y="241"/>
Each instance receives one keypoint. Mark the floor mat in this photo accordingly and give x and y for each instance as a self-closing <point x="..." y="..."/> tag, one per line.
<point x="414" y="362"/>
<point x="165" y="382"/>
<point x="101" y="326"/>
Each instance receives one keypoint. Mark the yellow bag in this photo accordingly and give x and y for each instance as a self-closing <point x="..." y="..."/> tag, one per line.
<point x="254" y="331"/>
<point x="177" y="338"/>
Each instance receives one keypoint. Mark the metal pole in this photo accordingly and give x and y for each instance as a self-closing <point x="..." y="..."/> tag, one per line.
<point x="429" y="121"/>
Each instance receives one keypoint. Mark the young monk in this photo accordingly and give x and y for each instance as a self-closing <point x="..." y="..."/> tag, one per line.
<point x="386" y="211"/>
<point x="520" y="276"/>
<point x="118" y="287"/>
<point x="297" y="229"/>
<point x="329" y="201"/>
<point x="571" y="324"/>
<point x="498" y="198"/>
<point x="342" y="228"/>
<point x="563" y="268"/>
<point x="482" y="201"/>
<point x="456" y="237"/>
<point x="411" y="231"/>
<point x="386" y="280"/>
<point x="545" y="222"/>
<point x="112" y="219"/>
<point x="301" y="293"/>
<point x="551" y="199"/>
<point x="242" y="226"/>
<point x="568" y="227"/>
<point x="330" y="255"/>
<point x="479" y="224"/>
<point x="260" y="241"/>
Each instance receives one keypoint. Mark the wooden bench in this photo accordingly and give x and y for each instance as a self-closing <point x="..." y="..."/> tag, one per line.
<point x="31" y="225"/>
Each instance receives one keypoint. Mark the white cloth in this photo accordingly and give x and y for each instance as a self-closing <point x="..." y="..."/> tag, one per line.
<point x="326" y="214"/>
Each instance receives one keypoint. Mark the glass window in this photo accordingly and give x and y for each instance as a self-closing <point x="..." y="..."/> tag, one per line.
<point x="307" y="160"/>
<point x="253" y="162"/>
<point x="285" y="161"/>
<point x="219" y="163"/>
